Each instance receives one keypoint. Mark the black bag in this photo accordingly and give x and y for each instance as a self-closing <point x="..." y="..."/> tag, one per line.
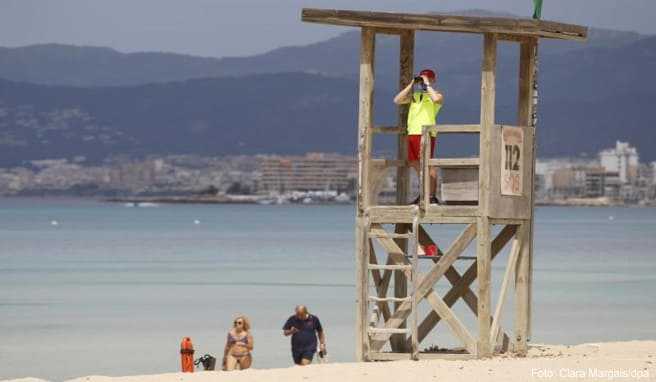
<point x="208" y="362"/>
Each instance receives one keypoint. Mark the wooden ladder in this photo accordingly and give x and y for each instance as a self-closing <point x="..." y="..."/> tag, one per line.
<point x="408" y="263"/>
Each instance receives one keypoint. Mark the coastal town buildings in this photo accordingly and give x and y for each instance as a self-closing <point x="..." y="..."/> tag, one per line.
<point x="312" y="172"/>
<point x="615" y="176"/>
<point x="622" y="159"/>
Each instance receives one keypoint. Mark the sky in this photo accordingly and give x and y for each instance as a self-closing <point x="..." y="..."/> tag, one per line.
<point x="220" y="28"/>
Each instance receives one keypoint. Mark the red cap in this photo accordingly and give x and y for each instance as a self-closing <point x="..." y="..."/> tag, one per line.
<point x="428" y="73"/>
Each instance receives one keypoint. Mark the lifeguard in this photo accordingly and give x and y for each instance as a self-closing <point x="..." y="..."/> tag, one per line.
<point x="425" y="104"/>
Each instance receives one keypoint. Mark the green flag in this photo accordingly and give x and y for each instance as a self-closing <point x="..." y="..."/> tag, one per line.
<point x="537" y="11"/>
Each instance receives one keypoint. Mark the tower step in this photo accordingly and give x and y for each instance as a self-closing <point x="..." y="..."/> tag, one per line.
<point x="393" y="299"/>
<point x="390" y="267"/>
<point x="379" y="232"/>
<point x="388" y="331"/>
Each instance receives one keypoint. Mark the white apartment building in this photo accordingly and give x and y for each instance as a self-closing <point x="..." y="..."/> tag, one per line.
<point x="623" y="159"/>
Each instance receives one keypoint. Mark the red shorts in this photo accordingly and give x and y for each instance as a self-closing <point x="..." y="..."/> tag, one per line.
<point x="414" y="147"/>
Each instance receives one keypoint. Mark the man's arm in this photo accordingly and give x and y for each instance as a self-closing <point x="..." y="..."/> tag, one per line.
<point x="289" y="332"/>
<point x="288" y="329"/>
<point x="404" y="96"/>
<point x="322" y="335"/>
<point x="436" y="96"/>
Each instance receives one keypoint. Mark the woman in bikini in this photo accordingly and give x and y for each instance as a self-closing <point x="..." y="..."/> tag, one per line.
<point x="239" y="345"/>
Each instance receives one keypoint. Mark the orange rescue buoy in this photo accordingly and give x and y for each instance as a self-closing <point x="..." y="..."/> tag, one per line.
<point x="187" y="355"/>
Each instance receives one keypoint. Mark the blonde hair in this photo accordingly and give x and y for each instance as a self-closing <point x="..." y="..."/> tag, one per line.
<point x="247" y="322"/>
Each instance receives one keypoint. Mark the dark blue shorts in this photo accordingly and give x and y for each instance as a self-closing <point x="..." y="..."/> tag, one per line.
<point x="299" y="355"/>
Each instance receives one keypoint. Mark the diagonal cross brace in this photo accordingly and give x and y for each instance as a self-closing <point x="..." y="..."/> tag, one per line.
<point x="462" y="286"/>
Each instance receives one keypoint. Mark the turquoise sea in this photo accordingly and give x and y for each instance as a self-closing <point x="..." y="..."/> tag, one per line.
<point x="96" y="288"/>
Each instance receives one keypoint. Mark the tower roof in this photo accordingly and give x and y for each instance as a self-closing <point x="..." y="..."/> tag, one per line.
<point x="397" y="22"/>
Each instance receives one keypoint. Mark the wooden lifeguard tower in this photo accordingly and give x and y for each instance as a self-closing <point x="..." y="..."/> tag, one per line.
<point x="495" y="189"/>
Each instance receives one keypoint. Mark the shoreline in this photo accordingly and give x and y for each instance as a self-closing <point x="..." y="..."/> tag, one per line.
<point x="255" y="200"/>
<point x="622" y="361"/>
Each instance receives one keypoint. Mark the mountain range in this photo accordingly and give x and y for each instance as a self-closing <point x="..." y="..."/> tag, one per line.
<point x="65" y="101"/>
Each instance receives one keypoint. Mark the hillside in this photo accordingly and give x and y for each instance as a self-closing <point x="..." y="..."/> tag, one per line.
<point x="266" y="113"/>
<point x="56" y="64"/>
<point x="299" y="99"/>
<point x="587" y="102"/>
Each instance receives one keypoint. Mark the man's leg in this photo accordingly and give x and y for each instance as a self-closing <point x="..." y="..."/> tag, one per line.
<point x="306" y="358"/>
<point x="415" y="165"/>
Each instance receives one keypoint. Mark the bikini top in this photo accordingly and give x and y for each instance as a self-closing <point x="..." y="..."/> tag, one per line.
<point x="234" y="339"/>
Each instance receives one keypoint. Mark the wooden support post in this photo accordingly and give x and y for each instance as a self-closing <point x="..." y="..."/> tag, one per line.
<point x="414" y="323"/>
<point x="522" y="302"/>
<point x="424" y="170"/>
<point x="365" y="116"/>
<point x="365" y="124"/>
<point x="508" y="274"/>
<point x="361" y="277"/>
<point x="527" y="65"/>
<point x="488" y="108"/>
<point x="406" y="71"/>
<point x="484" y="271"/>
<point x="484" y="248"/>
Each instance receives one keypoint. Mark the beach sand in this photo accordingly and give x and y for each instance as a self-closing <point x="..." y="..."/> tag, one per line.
<point x="613" y="361"/>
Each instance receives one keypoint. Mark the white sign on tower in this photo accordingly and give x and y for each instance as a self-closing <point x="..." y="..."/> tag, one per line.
<point x="512" y="160"/>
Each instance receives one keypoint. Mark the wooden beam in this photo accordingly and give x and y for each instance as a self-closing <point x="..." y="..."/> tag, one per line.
<point x="522" y="302"/>
<point x="406" y="74"/>
<point x="484" y="271"/>
<point x="415" y="284"/>
<point x="388" y="130"/>
<point x="361" y="285"/>
<point x="388" y="163"/>
<point x="382" y="356"/>
<point x="406" y="69"/>
<point x="454" y="323"/>
<point x="406" y="63"/>
<point x="454" y="162"/>
<point x="428" y="281"/>
<point x="488" y="108"/>
<point x="527" y="84"/>
<point x="483" y="252"/>
<point x="510" y="270"/>
<point x="512" y="37"/>
<point x="465" y="281"/>
<point x="435" y="214"/>
<point x="365" y="118"/>
<point x="458" y="129"/>
<point x="446" y="23"/>
<point x="365" y="115"/>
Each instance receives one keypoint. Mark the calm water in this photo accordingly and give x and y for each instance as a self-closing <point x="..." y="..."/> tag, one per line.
<point x="111" y="290"/>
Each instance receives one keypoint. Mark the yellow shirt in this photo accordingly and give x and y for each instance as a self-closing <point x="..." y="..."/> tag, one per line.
<point x="423" y="112"/>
